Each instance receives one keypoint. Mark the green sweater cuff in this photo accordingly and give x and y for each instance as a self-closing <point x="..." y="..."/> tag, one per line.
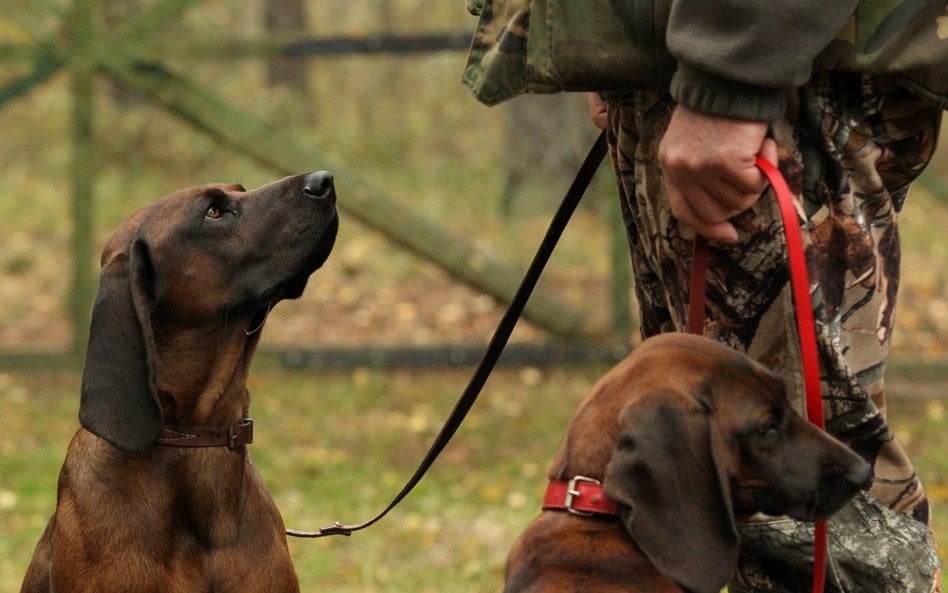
<point x="709" y="94"/>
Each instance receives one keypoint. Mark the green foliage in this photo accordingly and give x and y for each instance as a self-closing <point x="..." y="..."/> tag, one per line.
<point x="337" y="446"/>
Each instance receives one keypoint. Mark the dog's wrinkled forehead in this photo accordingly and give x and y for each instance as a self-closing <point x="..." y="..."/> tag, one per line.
<point x="157" y="213"/>
<point x="721" y="368"/>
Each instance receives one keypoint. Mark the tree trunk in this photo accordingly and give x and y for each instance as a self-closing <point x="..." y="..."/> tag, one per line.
<point x="281" y="18"/>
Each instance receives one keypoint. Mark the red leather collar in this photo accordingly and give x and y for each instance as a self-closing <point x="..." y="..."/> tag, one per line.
<point x="580" y="496"/>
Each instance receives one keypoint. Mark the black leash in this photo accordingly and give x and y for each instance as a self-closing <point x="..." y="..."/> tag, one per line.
<point x="497" y="342"/>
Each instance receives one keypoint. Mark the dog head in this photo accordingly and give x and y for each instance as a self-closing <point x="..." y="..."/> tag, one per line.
<point x="707" y="436"/>
<point x="213" y="258"/>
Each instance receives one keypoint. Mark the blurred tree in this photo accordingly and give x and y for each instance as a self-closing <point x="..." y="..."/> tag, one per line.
<point x="545" y="140"/>
<point x="114" y="13"/>
<point x="282" y="18"/>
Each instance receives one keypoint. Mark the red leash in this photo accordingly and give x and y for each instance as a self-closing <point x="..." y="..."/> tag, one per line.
<point x="800" y="286"/>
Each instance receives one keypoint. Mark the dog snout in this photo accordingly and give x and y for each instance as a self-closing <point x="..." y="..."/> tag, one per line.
<point x="843" y="467"/>
<point x="319" y="186"/>
<point x="859" y="476"/>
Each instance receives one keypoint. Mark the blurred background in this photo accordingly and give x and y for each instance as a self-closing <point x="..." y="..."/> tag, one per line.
<point x="105" y="106"/>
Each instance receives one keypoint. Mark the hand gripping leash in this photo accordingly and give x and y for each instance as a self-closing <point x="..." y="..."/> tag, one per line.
<point x="806" y="332"/>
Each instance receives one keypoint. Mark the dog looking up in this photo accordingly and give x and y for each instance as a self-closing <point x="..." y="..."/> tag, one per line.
<point x="157" y="491"/>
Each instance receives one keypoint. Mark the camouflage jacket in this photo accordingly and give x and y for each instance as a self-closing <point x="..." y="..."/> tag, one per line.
<point x="732" y="57"/>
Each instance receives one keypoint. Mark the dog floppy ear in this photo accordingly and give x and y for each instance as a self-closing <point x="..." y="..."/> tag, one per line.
<point x="119" y="402"/>
<point x="673" y="498"/>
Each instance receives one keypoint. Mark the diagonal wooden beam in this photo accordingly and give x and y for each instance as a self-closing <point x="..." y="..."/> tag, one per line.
<point x="287" y="155"/>
<point x="152" y="17"/>
<point x="46" y="64"/>
<point x="301" y="45"/>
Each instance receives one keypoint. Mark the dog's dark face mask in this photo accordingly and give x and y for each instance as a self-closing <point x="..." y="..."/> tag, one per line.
<point x="214" y="252"/>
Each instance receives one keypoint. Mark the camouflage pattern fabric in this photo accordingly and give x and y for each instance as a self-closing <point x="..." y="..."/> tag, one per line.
<point x="904" y="38"/>
<point x="545" y="46"/>
<point x="849" y="149"/>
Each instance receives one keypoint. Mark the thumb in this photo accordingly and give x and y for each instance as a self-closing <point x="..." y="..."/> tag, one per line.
<point x="768" y="150"/>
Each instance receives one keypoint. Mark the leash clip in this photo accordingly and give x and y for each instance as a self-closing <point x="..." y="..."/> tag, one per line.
<point x="336" y="528"/>
<point x="573" y="493"/>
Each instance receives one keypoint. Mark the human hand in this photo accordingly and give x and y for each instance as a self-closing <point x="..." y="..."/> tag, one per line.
<point x="597" y="110"/>
<point x="709" y="170"/>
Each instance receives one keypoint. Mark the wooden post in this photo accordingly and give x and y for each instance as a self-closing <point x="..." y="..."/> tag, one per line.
<point x="286" y="17"/>
<point x="82" y="166"/>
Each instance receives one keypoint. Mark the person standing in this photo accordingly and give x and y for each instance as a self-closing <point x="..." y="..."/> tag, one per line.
<point x="846" y="98"/>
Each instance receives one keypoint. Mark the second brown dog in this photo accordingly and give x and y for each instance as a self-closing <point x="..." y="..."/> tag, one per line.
<point x="686" y="437"/>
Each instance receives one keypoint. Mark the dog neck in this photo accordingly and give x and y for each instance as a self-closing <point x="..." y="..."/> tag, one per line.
<point x="201" y="375"/>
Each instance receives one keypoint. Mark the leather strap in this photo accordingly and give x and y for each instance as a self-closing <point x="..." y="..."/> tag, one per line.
<point x="698" y="286"/>
<point x="236" y="435"/>
<point x="580" y="496"/>
<point x="498" y="341"/>
<point x="806" y="324"/>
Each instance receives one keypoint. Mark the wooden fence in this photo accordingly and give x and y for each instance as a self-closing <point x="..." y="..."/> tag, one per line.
<point x="129" y="54"/>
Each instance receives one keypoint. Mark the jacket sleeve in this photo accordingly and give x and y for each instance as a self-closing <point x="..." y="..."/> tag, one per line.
<point x="739" y="57"/>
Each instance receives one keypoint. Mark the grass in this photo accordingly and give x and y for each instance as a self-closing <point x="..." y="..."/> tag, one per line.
<point x="336" y="446"/>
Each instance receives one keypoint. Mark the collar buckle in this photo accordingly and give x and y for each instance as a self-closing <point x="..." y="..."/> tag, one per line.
<point x="573" y="494"/>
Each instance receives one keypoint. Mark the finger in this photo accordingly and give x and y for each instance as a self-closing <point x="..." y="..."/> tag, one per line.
<point x="740" y="187"/>
<point x="717" y="202"/>
<point x="722" y="232"/>
<point x="597" y="110"/>
<point x="703" y="198"/>
<point x="748" y="182"/>
<point x="716" y="229"/>
<point x="768" y="150"/>
<point x="718" y="190"/>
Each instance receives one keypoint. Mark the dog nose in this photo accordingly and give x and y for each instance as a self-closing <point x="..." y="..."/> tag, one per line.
<point x="860" y="476"/>
<point x="319" y="186"/>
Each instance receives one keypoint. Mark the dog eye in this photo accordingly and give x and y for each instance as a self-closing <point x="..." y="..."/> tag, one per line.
<point x="213" y="212"/>
<point x="770" y="431"/>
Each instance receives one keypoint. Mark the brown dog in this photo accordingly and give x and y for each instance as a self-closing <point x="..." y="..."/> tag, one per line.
<point x="157" y="491"/>
<point x="686" y="436"/>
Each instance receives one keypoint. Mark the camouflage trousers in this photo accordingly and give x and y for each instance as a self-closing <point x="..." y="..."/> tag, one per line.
<point x="849" y="149"/>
